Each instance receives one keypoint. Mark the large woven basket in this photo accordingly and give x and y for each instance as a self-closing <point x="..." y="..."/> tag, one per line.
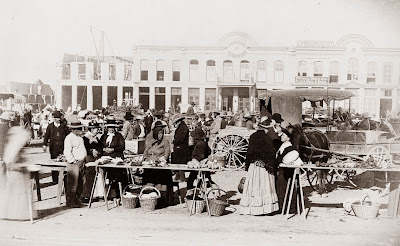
<point x="149" y="204"/>
<point x="130" y="201"/>
<point x="366" y="210"/>
<point x="199" y="205"/>
<point x="217" y="205"/>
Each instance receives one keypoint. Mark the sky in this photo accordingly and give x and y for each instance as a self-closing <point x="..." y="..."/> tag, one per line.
<point x="34" y="35"/>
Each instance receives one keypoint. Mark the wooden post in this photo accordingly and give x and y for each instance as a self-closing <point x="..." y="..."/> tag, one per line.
<point x="393" y="204"/>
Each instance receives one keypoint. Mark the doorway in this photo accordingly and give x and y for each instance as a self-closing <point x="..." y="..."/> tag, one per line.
<point x="385" y="105"/>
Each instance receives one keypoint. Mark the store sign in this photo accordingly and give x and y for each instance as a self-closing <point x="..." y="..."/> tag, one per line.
<point x="312" y="80"/>
<point x="315" y="43"/>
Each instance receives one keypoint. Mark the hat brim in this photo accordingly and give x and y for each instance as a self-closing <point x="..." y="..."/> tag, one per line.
<point x="111" y="125"/>
<point x="179" y="119"/>
<point x="264" y="126"/>
<point x="279" y="120"/>
<point x="73" y="127"/>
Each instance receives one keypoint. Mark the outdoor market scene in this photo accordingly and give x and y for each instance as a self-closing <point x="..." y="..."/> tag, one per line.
<point x="197" y="123"/>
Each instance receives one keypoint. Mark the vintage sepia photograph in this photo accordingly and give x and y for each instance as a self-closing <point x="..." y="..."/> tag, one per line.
<point x="182" y="122"/>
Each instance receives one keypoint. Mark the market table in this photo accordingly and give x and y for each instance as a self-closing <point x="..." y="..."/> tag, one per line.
<point x="177" y="167"/>
<point x="292" y="183"/>
<point x="53" y="165"/>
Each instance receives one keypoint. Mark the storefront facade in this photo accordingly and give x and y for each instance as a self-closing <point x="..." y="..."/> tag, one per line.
<point x="230" y="75"/>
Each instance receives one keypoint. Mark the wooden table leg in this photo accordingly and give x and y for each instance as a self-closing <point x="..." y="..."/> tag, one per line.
<point x="286" y="196"/>
<point x="194" y="194"/>
<point x="103" y="177"/>
<point x="204" y="190"/>
<point x="29" y="194"/>
<point x="93" y="187"/>
<point x="297" y="196"/>
<point x="304" y="210"/>
<point x="396" y="204"/>
<point x="37" y="181"/>
<point x="290" y="195"/>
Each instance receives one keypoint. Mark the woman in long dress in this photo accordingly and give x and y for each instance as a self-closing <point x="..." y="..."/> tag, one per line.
<point x="259" y="193"/>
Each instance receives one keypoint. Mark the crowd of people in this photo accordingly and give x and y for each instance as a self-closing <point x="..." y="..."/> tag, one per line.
<point x="83" y="138"/>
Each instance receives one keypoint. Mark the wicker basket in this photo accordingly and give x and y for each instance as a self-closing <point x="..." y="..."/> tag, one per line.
<point x="217" y="206"/>
<point x="149" y="204"/>
<point x="366" y="210"/>
<point x="199" y="205"/>
<point x="128" y="201"/>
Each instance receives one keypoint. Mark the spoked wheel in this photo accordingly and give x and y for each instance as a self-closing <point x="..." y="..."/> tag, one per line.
<point x="380" y="156"/>
<point x="234" y="147"/>
<point x="314" y="178"/>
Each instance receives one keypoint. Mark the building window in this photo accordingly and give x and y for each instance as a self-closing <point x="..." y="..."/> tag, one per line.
<point x="194" y="95"/>
<point x="111" y="71"/>
<point x="176" y="98"/>
<point x="387" y="72"/>
<point x="211" y="70"/>
<point x="82" y="71"/>
<point x="386" y="93"/>
<point x="194" y="70"/>
<point x="176" y="71"/>
<point x="371" y="72"/>
<point x="318" y="68"/>
<point x="66" y="71"/>
<point x="262" y="71"/>
<point x="228" y="71"/>
<point x="352" y="69"/>
<point x="302" y="68"/>
<point x="144" y="70"/>
<point x="244" y="71"/>
<point x="160" y="70"/>
<point x="128" y="72"/>
<point x="334" y="72"/>
<point x="97" y="71"/>
<point x="211" y="99"/>
<point x="278" y="71"/>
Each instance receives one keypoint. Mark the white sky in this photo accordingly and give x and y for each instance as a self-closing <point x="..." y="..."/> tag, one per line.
<point x="34" y="35"/>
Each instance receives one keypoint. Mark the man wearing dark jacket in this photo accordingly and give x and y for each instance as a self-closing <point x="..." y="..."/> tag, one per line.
<point x="54" y="137"/>
<point x="181" y="154"/>
<point x="148" y="121"/>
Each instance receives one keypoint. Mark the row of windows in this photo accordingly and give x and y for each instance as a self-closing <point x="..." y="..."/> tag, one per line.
<point x="245" y="71"/>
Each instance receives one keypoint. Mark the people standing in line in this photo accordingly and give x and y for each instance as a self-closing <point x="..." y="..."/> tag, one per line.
<point x="94" y="151"/>
<point x="148" y="121"/>
<point x="127" y="128"/>
<point x="159" y="150"/>
<point x="259" y="192"/>
<point x="190" y="110"/>
<point x="54" y="137"/>
<point x="113" y="145"/>
<point x="75" y="153"/>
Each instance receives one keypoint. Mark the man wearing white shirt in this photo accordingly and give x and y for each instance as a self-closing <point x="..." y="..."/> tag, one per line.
<point x="75" y="153"/>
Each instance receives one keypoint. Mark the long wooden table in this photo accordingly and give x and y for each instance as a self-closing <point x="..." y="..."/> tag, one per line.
<point x="177" y="167"/>
<point x="296" y="177"/>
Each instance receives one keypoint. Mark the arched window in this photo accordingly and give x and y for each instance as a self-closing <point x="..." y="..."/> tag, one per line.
<point x="371" y="72"/>
<point x="387" y="72"/>
<point x="352" y="69"/>
<point x="176" y="70"/>
<point x="318" y="68"/>
<point x="210" y="70"/>
<point x="302" y="68"/>
<point x="228" y="71"/>
<point x="194" y="70"/>
<point x="245" y="71"/>
<point x="160" y="70"/>
<point x="278" y="71"/>
<point x="334" y="72"/>
<point x="144" y="70"/>
<point x="262" y="71"/>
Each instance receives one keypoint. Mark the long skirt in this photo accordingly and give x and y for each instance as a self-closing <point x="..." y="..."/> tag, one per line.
<point x="259" y="193"/>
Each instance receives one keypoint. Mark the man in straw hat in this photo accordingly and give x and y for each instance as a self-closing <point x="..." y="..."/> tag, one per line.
<point x="55" y="135"/>
<point x="127" y="128"/>
<point x="75" y="153"/>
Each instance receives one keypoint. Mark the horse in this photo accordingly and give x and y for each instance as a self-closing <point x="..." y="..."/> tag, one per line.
<point x="306" y="142"/>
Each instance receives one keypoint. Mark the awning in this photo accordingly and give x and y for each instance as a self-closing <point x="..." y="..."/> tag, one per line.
<point x="309" y="94"/>
<point x="5" y="96"/>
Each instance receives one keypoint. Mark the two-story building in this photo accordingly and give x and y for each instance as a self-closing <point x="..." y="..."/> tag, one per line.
<point x="230" y="75"/>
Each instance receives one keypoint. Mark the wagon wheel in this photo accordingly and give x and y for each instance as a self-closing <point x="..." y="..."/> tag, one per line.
<point x="234" y="147"/>
<point x="380" y="155"/>
<point x="314" y="177"/>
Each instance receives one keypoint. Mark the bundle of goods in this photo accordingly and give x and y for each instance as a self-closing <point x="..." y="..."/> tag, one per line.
<point x="61" y="158"/>
<point x="129" y="152"/>
<point x="365" y="209"/>
<point x="218" y="157"/>
<point x="117" y="161"/>
<point x="218" y="203"/>
<point x="149" y="201"/>
<point x="129" y="197"/>
<point x="104" y="160"/>
<point x="159" y="163"/>
<point x="369" y="163"/>
<point x="133" y="161"/>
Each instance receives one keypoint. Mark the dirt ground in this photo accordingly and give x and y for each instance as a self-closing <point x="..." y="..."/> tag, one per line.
<point x="326" y="224"/>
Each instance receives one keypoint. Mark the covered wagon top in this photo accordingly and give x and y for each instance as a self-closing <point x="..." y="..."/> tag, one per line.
<point x="309" y="94"/>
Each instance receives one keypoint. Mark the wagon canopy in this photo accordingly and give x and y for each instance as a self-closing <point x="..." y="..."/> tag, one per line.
<point x="309" y="94"/>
